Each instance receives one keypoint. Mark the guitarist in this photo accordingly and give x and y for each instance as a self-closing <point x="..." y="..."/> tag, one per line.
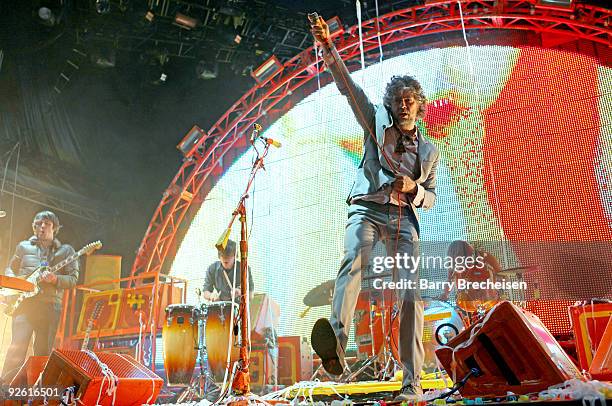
<point x="40" y="314"/>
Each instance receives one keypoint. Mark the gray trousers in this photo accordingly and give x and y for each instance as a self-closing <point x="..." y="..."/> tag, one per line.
<point x="367" y="224"/>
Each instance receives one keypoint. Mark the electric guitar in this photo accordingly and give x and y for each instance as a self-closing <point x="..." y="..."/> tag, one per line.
<point x="90" y="323"/>
<point x="14" y="301"/>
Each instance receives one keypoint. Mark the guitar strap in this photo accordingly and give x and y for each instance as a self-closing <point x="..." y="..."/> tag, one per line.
<point x="46" y="254"/>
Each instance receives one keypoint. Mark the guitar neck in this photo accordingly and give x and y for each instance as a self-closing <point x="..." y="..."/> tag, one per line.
<point x="86" y="339"/>
<point x="66" y="261"/>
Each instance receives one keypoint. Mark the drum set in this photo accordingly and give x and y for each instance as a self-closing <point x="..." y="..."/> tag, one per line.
<point x="208" y="333"/>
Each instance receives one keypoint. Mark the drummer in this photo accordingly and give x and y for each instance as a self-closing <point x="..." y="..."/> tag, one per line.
<point x="477" y="273"/>
<point x="220" y="276"/>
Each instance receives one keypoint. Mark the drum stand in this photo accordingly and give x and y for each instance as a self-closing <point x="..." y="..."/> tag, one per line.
<point x="200" y="384"/>
<point x="372" y="361"/>
<point x="385" y="355"/>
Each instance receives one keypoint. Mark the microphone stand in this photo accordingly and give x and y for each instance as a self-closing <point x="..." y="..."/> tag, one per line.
<point x="241" y="384"/>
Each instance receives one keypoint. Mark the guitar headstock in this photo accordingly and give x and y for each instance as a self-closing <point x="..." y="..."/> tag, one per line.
<point x="91" y="247"/>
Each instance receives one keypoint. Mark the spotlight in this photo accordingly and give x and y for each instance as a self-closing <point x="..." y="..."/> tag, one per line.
<point x="104" y="57"/>
<point x="190" y="140"/>
<point x="267" y="70"/>
<point x="47" y="17"/>
<point x="185" y="21"/>
<point x="207" y="70"/>
<point x="103" y="6"/>
<point x="335" y="27"/>
<point x="149" y="16"/>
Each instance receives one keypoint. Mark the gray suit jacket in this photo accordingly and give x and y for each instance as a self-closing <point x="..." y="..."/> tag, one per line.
<point x="374" y="172"/>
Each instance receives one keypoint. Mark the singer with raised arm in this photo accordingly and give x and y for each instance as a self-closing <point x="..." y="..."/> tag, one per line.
<point x="397" y="175"/>
<point x="39" y="315"/>
<point x="220" y="276"/>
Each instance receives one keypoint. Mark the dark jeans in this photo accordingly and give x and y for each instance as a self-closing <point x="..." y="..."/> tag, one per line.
<point x="32" y="317"/>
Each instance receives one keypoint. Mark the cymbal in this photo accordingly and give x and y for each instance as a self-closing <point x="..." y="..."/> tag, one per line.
<point x="13" y="283"/>
<point x="520" y="270"/>
<point x="320" y="295"/>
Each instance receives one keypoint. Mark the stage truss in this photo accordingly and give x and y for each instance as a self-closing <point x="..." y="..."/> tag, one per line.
<point x="272" y="98"/>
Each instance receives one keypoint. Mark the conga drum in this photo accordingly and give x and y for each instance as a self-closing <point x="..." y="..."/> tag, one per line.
<point x="180" y="343"/>
<point x="220" y="336"/>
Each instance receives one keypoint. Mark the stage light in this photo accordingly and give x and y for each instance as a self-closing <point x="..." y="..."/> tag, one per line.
<point x="188" y="144"/>
<point x="185" y="21"/>
<point x="335" y="27"/>
<point x="149" y="16"/>
<point x="267" y="70"/>
<point x="104" y="58"/>
<point x="47" y="17"/>
<point x="102" y="6"/>
<point x="207" y="70"/>
<point x="562" y="5"/>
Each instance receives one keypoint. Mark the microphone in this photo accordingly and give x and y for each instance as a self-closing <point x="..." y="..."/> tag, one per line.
<point x="255" y="134"/>
<point x="313" y="18"/>
<point x="272" y="142"/>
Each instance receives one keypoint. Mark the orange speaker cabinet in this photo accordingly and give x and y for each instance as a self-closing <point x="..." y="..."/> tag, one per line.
<point x="137" y="385"/>
<point x="514" y="352"/>
<point x="294" y="360"/>
<point x="589" y="323"/>
<point x="601" y="367"/>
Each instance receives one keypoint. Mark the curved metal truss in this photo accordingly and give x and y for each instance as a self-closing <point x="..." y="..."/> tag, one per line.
<point x="580" y="21"/>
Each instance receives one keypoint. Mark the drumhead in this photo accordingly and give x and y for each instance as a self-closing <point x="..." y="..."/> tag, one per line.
<point x="225" y="303"/>
<point x="182" y="307"/>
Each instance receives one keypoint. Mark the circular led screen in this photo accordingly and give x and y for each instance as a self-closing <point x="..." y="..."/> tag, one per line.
<point x="525" y="142"/>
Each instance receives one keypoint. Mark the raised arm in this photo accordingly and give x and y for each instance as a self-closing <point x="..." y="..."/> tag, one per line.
<point x="363" y="109"/>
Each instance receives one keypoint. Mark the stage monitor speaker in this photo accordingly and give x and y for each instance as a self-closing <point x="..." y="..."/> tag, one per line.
<point x="103" y="268"/>
<point x="137" y="385"/>
<point x="513" y="352"/>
